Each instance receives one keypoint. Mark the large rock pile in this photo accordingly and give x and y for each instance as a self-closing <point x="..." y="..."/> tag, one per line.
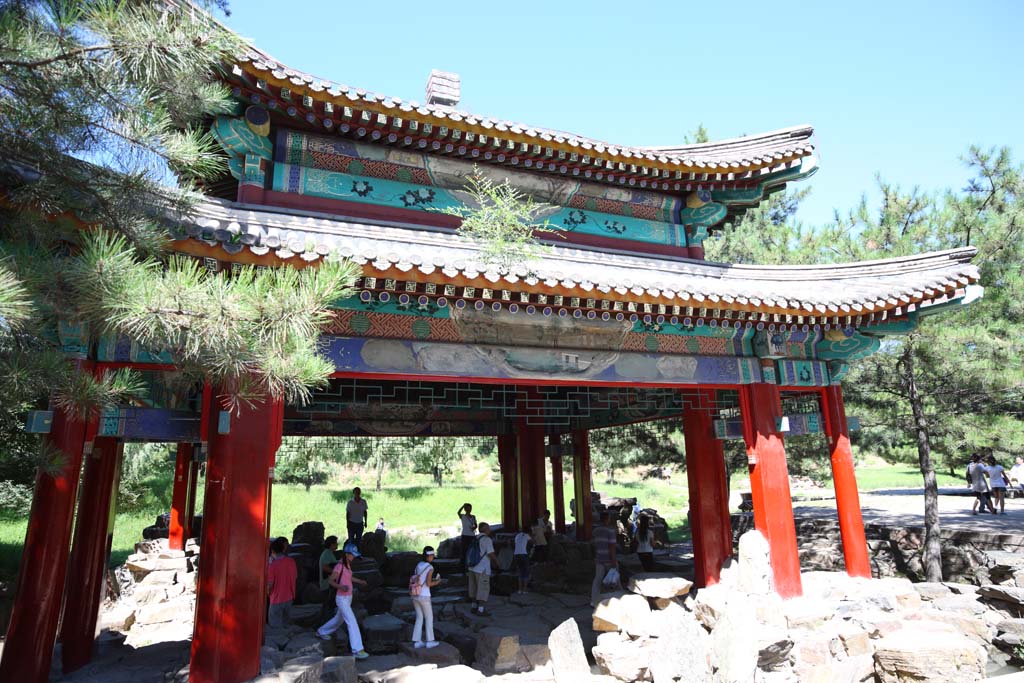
<point x="154" y="596"/>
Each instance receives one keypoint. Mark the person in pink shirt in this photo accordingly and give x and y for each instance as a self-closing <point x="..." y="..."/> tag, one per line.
<point x="281" y="574"/>
<point x="342" y="580"/>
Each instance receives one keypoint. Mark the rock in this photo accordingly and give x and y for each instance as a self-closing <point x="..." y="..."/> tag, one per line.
<point x="1008" y="594"/>
<point x="413" y="673"/>
<point x="625" y="659"/>
<point x="276" y="637"/>
<point x="158" y="578"/>
<point x="537" y="655"/>
<point x="681" y="652"/>
<point x="445" y="654"/>
<point x="143" y="567"/>
<point x="966" y="604"/>
<point x="305" y="644"/>
<point x="568" y="658"/>
<point x="710" y="603"/>
<point x="307" y="615"/>
<point x="382" y="633"/>
<point x="663" y="586"/>
<point x="754" y="575"/>
<point x="464" y="643"/>
<point x="856" y="641"/>
<point x="977" y="629"/>
<point x="774" y="646"/>
<point x="1013" y="626"/>
<point x="807" y="613"/>
<point x="859" y="669"/>
<point x="448" y="674"/>
<point x="339" y="670"/>
<point x="149" y="595"/>
<point x="734" y="645"/>
<point x="812" y="658"/>
<point x="932" y="590"/>
<point x="163" y="612"/>
<point x="118" y="618"/>
<point x="497" y="651"/>
<point x="623" y="611"/>
<point x="924" y="656"/>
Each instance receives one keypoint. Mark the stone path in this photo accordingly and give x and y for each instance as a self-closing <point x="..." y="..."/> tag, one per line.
<point x="905" y="507"/>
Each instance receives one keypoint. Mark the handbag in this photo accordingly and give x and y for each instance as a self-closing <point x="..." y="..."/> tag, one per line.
<point x="612" y="578"/>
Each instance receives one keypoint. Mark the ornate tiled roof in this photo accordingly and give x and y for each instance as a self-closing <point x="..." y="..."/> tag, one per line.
<point x="326" y="105"/>
<point x="858" y="293"/>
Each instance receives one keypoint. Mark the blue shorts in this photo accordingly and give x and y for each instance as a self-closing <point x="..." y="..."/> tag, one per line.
<point x="523" y="564"/>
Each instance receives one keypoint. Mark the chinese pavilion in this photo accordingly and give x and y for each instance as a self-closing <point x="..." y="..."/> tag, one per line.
<point x="621" y="320"/>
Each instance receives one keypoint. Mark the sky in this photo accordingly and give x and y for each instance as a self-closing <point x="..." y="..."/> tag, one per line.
<point x="899" y="89"/>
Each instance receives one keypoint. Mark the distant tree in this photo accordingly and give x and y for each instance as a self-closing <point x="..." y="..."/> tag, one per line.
<point x="439" y="456"/>
<point x="307" y="460"/>
<point x="697" y="136"/>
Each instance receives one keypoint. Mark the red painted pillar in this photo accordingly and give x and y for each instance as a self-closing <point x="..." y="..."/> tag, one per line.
<point x="176" y="536"/>
<point x="582" y="484"/>
<point x="709" y="498"/>
<point x="557" y="483"/>
<point x="28" y="647"/>
<point x="509" y="482"/>
<point x="769" y="483"/>
<point x="193" y="493"/>
<point x="231" y="594"/>
<point x="851" y="523"/>
<point x="90" y="550"/>
<point x="530" y="458"/>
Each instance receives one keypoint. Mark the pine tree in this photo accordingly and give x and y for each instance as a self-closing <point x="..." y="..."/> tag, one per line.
<point x="102" y="137"/>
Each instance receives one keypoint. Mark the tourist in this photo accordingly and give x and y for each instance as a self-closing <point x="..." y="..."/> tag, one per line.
<point x="342" y="580"/>
<point x="481" y="550"/>
<point x="605" y="539"/>
<point x="645" y="543"/>
<point x="381" y="534"/>
<point x="977" y="476"/>
<point x="468" y="536"/>
<point x="997" y="480"/>
<point x="542" y="531"/>
<point x="328" y="558"/>
<point x="426" y="579"/>
<point x="281" y="575"/>
<point x="1017" y="473"/>
<point x="356" y="516"/>
<point x="521" y="558"/>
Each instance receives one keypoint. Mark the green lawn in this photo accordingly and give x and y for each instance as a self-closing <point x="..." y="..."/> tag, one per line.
<point x="413" y="514"/>
<point x="414" y="510"/>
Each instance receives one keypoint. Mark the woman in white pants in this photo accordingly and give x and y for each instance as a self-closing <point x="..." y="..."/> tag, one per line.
<point x="424" y="577"/>
<point x="342" y="580"/>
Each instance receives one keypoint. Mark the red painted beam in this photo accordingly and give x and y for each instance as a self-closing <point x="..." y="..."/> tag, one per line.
<point x="28" y="647"/>
<point x="769" y="483"/>
<point x="176" y="535"/>
<point x="557" y="491"/>
<point x="231" y="595"/>
<point x="851" y="523"/>
<point x="509" y="482"/>
<point x="709" y="498"/>
<point x="90" y="551"/>
<point x="582" y="484"/>
<point x="193" y="493"/>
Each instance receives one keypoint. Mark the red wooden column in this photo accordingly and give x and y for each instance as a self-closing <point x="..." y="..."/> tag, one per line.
<point x="769" y="483"/>
<point x="530" y="458"/>
<point x="581" y="484"/>
<point x="177" y="534"/>
<point x="557" y="485"/>
<point x="509" y="482"/>
<point x="851" y="523"/>
<point x="28" y="647"/>
<point x="709" y="498"/>
<point x="90" y="550"/>
<point x="193" y="493"/>
<point x="231" y="594"/>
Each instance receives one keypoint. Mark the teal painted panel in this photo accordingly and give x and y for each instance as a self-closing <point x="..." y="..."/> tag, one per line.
<point x="342" y="186"/>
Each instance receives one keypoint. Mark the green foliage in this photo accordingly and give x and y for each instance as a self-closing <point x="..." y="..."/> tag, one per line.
<point x="440" y="456"/>
<point x="616" y="448"/>
<point x="697" y="136"/>
<point x="502" y="220"/>
<point x="308" y="460"/>
<point x="147" y="479"/>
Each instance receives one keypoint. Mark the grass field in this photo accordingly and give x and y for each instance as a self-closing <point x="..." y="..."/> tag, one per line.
<point x="416" y="512"/>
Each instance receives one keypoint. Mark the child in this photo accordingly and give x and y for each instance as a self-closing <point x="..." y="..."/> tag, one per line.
<point x="521" y="558"/>
<point x="281" y="576"/>
<point x="342" y="580"/>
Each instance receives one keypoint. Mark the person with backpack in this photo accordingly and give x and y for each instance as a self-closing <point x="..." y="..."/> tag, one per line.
<point x="480" y="560"/>
<point x="420" y="583"/>
<point x="342" y="580"/>
<point x="977" y="477"/>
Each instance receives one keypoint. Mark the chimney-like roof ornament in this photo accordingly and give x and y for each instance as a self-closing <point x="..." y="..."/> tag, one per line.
<point x="443" y="88"/>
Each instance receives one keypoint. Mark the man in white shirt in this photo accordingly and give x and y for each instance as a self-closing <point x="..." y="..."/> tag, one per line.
<point x="480" y="573"/>
<point x="356" y="514"/>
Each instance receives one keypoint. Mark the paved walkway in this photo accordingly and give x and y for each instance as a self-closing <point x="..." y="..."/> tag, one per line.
<point x="905" y="507"/>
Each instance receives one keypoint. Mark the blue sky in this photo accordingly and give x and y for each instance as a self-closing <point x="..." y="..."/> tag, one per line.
<point x="900" y="88"/>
